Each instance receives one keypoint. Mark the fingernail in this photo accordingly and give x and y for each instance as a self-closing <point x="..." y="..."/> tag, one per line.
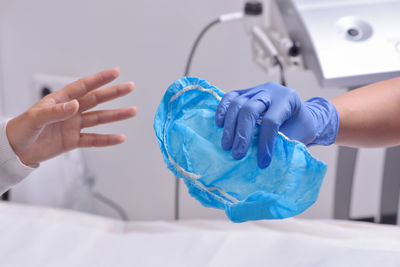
<point x="69" y="106"/>
<point x="237" y="155"/>
<point x="117" y="73"/>
<point x="129" y="86"/>
<point x="263" y="163"/>
<point x="226" y="145"/>
<point x="238" y="151"/>
<point x="132" y="111"/>
<point x="218" y="121"/>
<point x="122" y="138"/>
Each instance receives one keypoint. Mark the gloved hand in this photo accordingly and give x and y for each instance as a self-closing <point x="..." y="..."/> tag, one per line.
<point x="279" y="108"/>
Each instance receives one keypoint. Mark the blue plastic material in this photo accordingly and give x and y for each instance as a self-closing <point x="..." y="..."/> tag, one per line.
<point x="190" y="144"/>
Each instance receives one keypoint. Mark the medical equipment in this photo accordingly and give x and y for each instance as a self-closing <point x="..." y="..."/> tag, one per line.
<point x="335" y="38"/>
<point x="189" y="140"/>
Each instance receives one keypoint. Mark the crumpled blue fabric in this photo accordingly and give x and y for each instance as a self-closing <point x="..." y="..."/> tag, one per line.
<point x="190" y="144"/>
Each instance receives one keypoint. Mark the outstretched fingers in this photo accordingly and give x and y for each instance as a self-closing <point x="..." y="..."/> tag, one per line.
<point x="102" y="95"/>
<point x="100" y="140"/>
<point x="94" y="118"/>
<point x="82" y="86"/>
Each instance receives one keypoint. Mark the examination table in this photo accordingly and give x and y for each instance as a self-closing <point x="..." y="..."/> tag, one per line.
<point x="36" y="236"/>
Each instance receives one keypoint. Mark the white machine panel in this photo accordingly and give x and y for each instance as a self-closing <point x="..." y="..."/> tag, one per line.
<point x="347" y="43"/>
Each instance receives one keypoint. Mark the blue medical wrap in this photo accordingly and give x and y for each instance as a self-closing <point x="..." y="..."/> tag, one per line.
<point x="190" y="143"/>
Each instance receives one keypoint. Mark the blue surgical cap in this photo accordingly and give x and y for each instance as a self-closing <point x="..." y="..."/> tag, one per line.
<point x="190" y="144"/>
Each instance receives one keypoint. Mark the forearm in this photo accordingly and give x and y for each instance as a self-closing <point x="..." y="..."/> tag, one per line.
<point x="370" y="116"/>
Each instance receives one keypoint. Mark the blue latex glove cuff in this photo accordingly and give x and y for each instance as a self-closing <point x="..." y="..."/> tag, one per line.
<point x="326" y="120"/>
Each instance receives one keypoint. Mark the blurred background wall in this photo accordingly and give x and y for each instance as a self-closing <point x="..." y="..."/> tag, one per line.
<point x="150" y="41"/>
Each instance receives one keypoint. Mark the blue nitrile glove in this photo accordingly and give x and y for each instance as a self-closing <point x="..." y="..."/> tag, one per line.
<point x="315" y="121"/>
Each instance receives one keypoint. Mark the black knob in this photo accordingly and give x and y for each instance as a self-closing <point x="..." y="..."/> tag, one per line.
<point x="45" y="91"/>
<point x="353" y="32"/>
<point x="294" y="50"/>
<point x="253" y="8"/>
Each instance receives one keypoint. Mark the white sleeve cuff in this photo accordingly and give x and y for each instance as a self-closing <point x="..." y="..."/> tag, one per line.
<point x="12" y="170"/>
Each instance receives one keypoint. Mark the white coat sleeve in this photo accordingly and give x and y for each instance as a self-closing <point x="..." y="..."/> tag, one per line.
<point x="12" y="170"/>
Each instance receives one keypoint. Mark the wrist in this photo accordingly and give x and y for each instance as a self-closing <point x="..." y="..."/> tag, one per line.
<point x="326" y="120"/>
<point x="27" y="161"/>
<point x="11" y="133"/>
<point x="17" y="141"/>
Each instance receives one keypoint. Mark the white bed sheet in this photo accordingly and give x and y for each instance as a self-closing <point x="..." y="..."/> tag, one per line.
<point x="34" y="236"/>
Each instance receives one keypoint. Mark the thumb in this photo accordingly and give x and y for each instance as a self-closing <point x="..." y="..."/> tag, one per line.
<point x="56" y="113"/>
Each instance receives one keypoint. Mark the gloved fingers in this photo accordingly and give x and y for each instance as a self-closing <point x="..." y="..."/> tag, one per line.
<point x="271" y="122"/>
<point x="94" y="118"/>
<point x="248" y="116"/>
<point x="223" y="107"/>
<point x="231" y="121"/>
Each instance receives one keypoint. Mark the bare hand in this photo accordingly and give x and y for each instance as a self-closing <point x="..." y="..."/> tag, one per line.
<point x="53" y="125"/>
